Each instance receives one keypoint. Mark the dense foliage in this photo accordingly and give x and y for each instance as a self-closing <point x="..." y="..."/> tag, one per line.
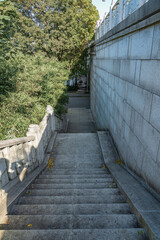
<point x="38" y="81"/>
<point x="60" y="28"/>
<point x="42" y="43"/>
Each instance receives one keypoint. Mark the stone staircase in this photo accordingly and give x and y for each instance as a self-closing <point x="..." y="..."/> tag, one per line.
<point x="75" y="200"/>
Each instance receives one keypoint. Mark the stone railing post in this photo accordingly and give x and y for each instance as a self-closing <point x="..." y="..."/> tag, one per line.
<point x="110" y="18"/>
<point x="34" y="130"/>
<point x="104" y="23"/>
<point x="100" y="31"/>
<point x="50" y="111"/>
<point x="120" y="10"/>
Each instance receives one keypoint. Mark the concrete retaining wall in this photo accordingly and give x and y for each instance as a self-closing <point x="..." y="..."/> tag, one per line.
<point x="125" y="92"/>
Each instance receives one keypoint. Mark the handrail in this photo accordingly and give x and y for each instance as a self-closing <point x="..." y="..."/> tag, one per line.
<point x="15" y="141"/>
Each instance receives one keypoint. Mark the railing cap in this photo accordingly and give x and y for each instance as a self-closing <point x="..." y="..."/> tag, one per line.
<point x="12" y="142"/>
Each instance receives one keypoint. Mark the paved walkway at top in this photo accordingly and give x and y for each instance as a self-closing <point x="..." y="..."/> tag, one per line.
<point x="80" y="117"/>
<point x="79" y="100"/>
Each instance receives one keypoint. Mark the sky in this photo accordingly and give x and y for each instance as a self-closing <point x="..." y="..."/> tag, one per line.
<point x="102" y="6"/>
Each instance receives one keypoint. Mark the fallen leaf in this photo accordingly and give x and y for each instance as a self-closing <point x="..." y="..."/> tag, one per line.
<point x="118" y="161"/>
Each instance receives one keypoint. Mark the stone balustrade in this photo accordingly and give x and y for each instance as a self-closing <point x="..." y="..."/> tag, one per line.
<point x="118" y="12"/>
<point x="20" y="156"/>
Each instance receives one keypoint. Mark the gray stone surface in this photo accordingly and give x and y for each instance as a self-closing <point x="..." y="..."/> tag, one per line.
<point x="125" y="91"/>
<point x="127" y="70"/>
<point x="63" y="234"/>
<point x="156" y="42"/>
<point x="140" y="44"/>
<point x="79" y="101"/>
<point x="145" y="205"/>
<point x="80" y="121"/>
<point x="149" y="76"/>
<point x="78" y="193"/>
<point x="155" y="112"/>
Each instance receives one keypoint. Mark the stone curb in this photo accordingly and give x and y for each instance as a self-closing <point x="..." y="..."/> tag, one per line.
<point x="145" y="206"/>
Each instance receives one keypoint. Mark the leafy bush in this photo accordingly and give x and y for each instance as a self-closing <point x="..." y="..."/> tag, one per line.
<point x="36" y="82"/>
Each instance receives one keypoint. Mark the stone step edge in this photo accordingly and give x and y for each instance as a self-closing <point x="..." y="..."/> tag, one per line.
<point x="145" y="214"/>
<point x="12" y="197"/>
<point x="70" y="231"/>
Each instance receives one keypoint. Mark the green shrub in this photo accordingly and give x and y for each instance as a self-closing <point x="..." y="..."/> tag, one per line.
<point x="37" y="81"/>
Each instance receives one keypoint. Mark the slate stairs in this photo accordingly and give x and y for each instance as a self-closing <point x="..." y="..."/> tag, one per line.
<point x="75" y="200"/>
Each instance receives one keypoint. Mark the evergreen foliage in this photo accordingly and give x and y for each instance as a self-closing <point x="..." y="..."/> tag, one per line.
<point x="42" y="43"/>
<point x="38" y="81"/>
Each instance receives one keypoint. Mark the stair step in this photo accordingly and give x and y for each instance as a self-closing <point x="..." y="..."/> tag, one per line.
<point x="117" y="208"/>
<point x="74" y="185"/>
<point x="95" y="176"/>
<point x="69" y="165"/>
<point x="73" y="168"/>
<point x="71" y="192"/>
<point x="73" y="181"/>
<point x="76" y="171"/>
<point x="75" y="234"/>
<point x="70" y="221"/>
<point x="75" y="178"/>
<point x="93" y="199"/>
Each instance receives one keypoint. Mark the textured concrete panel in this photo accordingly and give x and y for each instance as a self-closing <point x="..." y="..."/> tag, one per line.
<point x="155" y="112"/>
<point x="127" y="70"/>
<point x="137" y="73"/>
<point x="148" y="136"/>
<point x="140" y="44"/>
<point x="123" y="48"/>
<point x="156" y="43"/>
<point x="158" y="157"/>
<point x="139" y="99"/>
<point x="112" y="66"/>
<point x="149" y="76"/>
<point x="150" y="170"/>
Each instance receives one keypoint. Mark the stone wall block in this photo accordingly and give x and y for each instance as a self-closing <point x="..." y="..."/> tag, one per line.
<point x="137" y="72"/>
<point x="113" y="50"/>
<point x="127" y="113"/>
<point x="156" y="42"/>
<point x="155" y="112"/>
<point x="123" y="48"/>
<point x="147" y="135"/>
<point x="139" y="99"/>
<point x="127" y="70"/>
<point x="158" y="156"/>
<point x="150" y="171"/>
<point x="149" y="76"/>
<point x="140" y="44"/>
